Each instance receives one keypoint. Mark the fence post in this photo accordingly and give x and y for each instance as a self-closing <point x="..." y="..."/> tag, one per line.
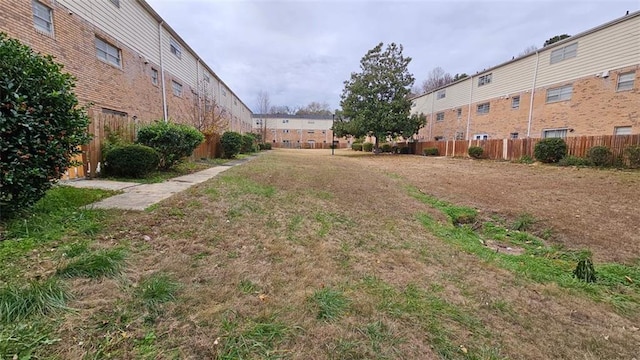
<point x="505" y="147"/>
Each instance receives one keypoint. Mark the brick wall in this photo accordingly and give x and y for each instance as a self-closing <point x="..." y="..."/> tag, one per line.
<point x="595" y="108"/>
<point x="127" y="88"/>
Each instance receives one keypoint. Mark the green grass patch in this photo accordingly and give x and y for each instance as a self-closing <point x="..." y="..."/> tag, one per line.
<point x="457" y="214"/>
<point x="247" y="287"/>
<point x="20" y="340"/>
<point x="328" y="220"/>
<point x="619" y="285"/>
<point x="330" y="303"/>
<point x="257" y="338"/>
<point x="157" y="289"/>
<point x="240" y="185"/>
<point x="431" y="312"/>
<point x="109" y="262"/>
<point x="37" y="298"/>
<point x="184" y="168"/>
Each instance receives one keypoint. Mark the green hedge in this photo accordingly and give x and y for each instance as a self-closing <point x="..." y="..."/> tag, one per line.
<point x="131" y="161"/>
<point x="475" y="152"/>
<point x="356" y="146"/>
<point x="231" y="142"/>
<point x="173" y="142"/>
<point x="550" y="150"/>
<point x="368" y="147"/>
<point x="41" y="125"/>
<point x="430" y="151"/>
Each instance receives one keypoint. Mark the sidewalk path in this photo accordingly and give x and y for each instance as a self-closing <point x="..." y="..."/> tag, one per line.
<point x="137" y="196"/>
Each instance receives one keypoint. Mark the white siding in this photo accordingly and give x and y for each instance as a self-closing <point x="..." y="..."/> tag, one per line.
<point x="184" y="68"/>
<point x="130" y="24"/>
<point x="512" y="78"/>
<point x="612" y="47"/>
<point x="457" y="94"/>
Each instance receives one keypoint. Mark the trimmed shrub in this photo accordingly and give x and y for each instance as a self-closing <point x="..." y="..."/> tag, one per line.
<point x="632" y="156"/>
<point x="368" y="147"/>
<point x="248" y="140"/>
<point x="264" y="146"/>
<point x="386" y="148"/>
<point x="430" y="151"/>
<point x="231" y="142"/>
<point x="356" y="146"/>
<point x="475" y="152"/>
<point x="41" y="128"/>
<point x="131" y="161"/>
<point x="173" y="142"/>
<point x="600" y="155"/>
<point x="525" y="159"/>
<point x="550" y="150"/>
<point x="403" y="150"/>
<point x="571" y="160"/>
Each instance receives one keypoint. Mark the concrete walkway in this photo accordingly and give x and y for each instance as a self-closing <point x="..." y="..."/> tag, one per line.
<point x="138" y="196"/>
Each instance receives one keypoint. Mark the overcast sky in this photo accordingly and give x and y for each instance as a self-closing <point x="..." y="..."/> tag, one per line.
<point x="303" y="51"/>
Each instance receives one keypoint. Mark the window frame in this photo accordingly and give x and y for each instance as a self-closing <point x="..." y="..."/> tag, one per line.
<point x="563" y="53"/>
<point x="563" y="131"/>
<point x="459" y="136"/>
<point x="482" y="136"/>
<point x="630" y="82"/>
<point x="116" y="3"/>
<point x="561" y="94"/>
<point x="485" y="79"/>
<point x="440" y="116"/>
<point x="480" y="108"/>
<point x="459" y="113"/>
<point x="176" y="88"/>
<point x="155" y="76"/>
<point x="515" y="102"/>
<point x="37" y="6"/>
<point x="513" y="135"/>
<point x="107" y="56"/>
<point x="441" y="94"/>
<point x="616" y="128"/>
<point x="175" y="48"/>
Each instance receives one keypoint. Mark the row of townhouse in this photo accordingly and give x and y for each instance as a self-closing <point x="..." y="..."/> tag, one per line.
<point x="127" y="60"/>
<point x="587" y="84"/>
<point x="297" y="131"/>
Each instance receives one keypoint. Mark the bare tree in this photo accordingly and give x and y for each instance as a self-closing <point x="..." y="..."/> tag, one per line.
<point x="282" y="109"/>
<point x="315" y="108"/>
<point x="528" y="50"/>
<point x="264" y="105"/>
<point x="435" y="79"/>
<point x="208" y="115"/>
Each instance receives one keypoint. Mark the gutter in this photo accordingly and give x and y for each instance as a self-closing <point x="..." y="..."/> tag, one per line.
<point x="165" y="114"/>
<point x="469" y="110"/>
<point x="533" y="91"/>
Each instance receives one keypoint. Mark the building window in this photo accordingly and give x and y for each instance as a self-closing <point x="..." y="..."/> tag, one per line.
<point x="285" y="121"/>
<point x="311" y="122"/>
<point x="114" y="112"/>
<point x="285" y="131"/>
<point x="554" y="133"/>
<point x="154" y="76"/>
<point x="440" y="116"/>
<point x="42" y="17"/>
<point x="480" y="137"/>
<point x="566" y="52"/>
<point x="515" y="102"/>
<point x="107" y="52"/>
<point x="459" y="112"/>
<point x="441" y="94"/>
<point x="206" y="78"/>
<point x="116" y="3"/>
<point x="625" y="81"/>
<point x="439" y="138"/>
<point x="177" y="88"/>
<point x="484" y="108"/>
<point x="459" y="135"/>
<point x="484" y="80"/>
<point x="310" y="132"/>
<point x="622" y="130"/>
<point x="559" y="94"/>
<point x="175" y="48"/>
<point x="224" y="92"/>
<point x="513" y="135"/>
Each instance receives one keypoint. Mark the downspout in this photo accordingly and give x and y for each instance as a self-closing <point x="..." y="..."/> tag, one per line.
<point x="198" y="92"/>
<point x="533" y="91"/>
<point x="433" y="96"/>
<point x="164" y="90"/>
<point x="469" y="110"/>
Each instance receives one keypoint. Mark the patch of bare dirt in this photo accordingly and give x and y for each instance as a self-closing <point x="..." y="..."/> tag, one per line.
<point x="584" y="208"/>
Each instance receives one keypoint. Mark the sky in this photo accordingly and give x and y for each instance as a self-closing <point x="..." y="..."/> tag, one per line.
<point x="302" y="51"/>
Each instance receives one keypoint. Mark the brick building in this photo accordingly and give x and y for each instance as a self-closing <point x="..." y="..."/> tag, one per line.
<point x="587" y="84"/>
<point x="297" y="131"/>
<point x="127" y="60"/>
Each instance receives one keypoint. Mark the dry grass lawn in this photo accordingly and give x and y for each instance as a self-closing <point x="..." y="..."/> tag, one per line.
<point x="304" y="255"/>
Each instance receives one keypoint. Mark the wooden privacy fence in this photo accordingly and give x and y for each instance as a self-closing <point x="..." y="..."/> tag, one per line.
<point x="101" y="124"/>
<point x="514" y="149"/>
<point x="208" y="149"/>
